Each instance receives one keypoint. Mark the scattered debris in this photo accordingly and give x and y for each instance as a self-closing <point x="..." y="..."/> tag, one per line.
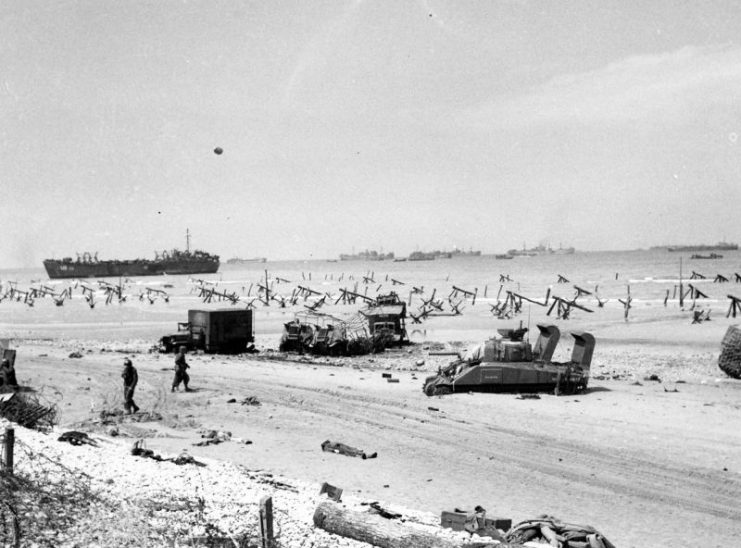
<point x="730" y="355"/>
<point x="335" y="493"/>
<point x="475" y="522"/>
<point x="251" y="400"/>
<point x="376" y="508"/>
<point x="212" y="437"/>
<point x="528" y="397"/>
<point x="24" y="409"/>
<point x="75" y="355"/>
<point x="342" y="449"/>
<point x="654" y="378"/>
<point x="138" y="450"/>
<point x="77" y="438"/>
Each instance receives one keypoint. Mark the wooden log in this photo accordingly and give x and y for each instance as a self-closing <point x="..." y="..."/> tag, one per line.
<point x="379" y="531"/>
<point x="266" y="522"/>
<point x="8" y="450"/>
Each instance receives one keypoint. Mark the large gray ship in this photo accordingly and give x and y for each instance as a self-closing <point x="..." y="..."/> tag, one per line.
<point x="166" y="262"/>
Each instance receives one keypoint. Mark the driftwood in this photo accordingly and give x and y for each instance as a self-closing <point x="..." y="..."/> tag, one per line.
<point x="381" y="532"/>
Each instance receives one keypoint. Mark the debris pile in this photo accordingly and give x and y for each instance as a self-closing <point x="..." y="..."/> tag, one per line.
<point x="554" y="532"/>
<point x="26" y="410"/>
<point x="730" y="356"/>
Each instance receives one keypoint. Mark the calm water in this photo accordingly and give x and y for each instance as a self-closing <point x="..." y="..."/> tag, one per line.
<point x="650" y="274"/>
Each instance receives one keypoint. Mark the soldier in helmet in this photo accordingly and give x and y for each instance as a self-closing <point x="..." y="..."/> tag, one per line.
<point x="130" y="378"/>
<point x="7" y="373"/>
<point x="181" y="374"/>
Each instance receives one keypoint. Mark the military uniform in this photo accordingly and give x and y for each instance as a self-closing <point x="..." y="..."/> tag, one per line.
<point x="130" y="378"/>
<point x="181" y="374"/>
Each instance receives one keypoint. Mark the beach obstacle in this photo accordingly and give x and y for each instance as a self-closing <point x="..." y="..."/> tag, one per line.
<point x="306" y="292"/>
<point x="563" y="308"/>
<point x="457" y="290"/>
<point x="736" y="277"/>
<point x="504" y="278"/>
<point x="694" y="293"/>
<point x="267" y="537"/>
<point x="501" y="311"/>
<point x="699" y="316"/>
<point x="421" y="316"/>
<point x="720" y="279"/>
<point x="580" y="292"/>
<point x="432" y="303"/>
<point x="349" y="297"/>
<point x="562" y="279"/>
<point x="209" y="293"/>
<point x="396" y="282"/>
<point x="627" y="304"/>
<point x="735" y="307"/>
<point x="317" y="304"/>
<point x="697" y="276"/>
<point x="153" y="294"/>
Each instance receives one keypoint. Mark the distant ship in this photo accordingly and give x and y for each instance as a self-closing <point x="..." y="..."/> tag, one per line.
<point x="167" y="262"/>
<point x="366" y="255"/>
<point x="237" y="260"/>
<point x="540" y="250"/>
<point x="460" y="253"/>
<point x="720" y="246"/>
<point x="423" y="256"/>
<point x="711" y="256"/>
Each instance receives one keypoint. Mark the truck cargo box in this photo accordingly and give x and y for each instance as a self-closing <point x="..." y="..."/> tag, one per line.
<point x="223" y="330"/>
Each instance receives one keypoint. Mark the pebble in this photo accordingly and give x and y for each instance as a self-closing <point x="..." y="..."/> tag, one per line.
<point x="166" y="497"/>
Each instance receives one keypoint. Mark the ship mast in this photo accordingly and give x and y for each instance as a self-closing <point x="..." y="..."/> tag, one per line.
<point x="187" y="240"/>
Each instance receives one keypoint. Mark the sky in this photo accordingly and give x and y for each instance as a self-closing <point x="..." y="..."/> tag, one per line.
<point x="351" y="125"/>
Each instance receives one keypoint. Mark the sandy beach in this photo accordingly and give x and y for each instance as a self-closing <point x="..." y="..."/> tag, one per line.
<point x="646" y="462"/>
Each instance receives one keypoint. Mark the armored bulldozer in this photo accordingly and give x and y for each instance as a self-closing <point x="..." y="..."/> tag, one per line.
<point x="508" y="363"/>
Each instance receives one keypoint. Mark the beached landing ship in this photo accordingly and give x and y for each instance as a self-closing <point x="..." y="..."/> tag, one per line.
<point x="173" y="262"/>
<point x="167" y="262"/>
<point x="508" y="363"/>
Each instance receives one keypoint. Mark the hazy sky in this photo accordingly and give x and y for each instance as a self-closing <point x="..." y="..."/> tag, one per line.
<point x="399" y="125"/>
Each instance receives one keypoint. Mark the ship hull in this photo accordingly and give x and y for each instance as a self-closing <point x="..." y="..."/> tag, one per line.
<point x="104" y="269"/>
<point x="718" y="247"/>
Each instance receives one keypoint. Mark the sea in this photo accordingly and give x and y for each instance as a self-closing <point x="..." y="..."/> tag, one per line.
<point x="476" y="285"/>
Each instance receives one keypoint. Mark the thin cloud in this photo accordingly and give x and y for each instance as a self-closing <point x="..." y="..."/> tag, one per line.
<point x="641" y="88"/>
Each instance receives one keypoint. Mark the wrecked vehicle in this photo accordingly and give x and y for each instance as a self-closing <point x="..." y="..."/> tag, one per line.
<point x="387" y="317"/>
<point x="298" y="336"/>
<point x="327" y="335"/>
<point x="509" y="363"/>
<point x="224" y="331"/>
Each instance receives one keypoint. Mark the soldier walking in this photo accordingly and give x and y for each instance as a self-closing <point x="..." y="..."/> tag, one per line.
<point x="181" y="374"/>
<point x="130" y="378"/>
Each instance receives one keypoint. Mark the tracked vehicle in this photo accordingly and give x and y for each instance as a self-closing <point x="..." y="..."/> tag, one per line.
<point x="509" y="363"/>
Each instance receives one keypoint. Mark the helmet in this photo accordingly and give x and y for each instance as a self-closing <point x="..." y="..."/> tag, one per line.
<point x="127" y="361"/>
